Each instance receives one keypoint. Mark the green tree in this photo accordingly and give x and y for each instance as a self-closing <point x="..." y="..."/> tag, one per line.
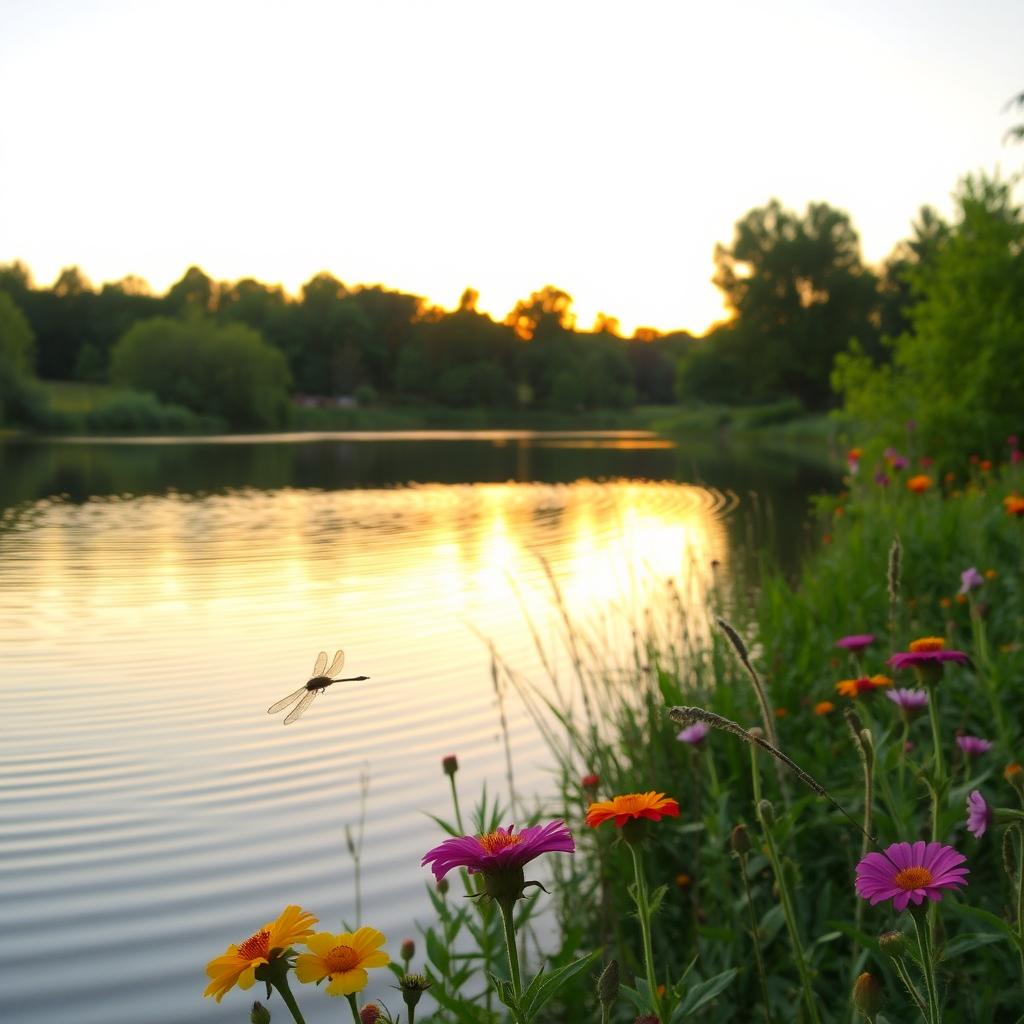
<point x="959" y="371"/>
<point x="230" y="371"/>
<point x="798" y="292"/>
<point x="16" y="361"/>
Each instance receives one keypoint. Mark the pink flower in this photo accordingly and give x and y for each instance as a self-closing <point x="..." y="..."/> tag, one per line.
<point x="857" y="642"/>
<point x="908" y="872"/>
<point x="926" y="652"/>
<point x="504" y="849"/>
<point x="979" y="814"/>
<point x="694" y="734"/>
<point x="973" y="746"/>
<point x="910" y="702"/>
<point x="971" y="579"/>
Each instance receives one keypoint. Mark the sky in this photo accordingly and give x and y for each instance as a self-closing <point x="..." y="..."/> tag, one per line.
<point x="602" y="147"/>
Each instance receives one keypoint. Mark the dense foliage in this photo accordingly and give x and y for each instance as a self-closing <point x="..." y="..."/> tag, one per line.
<point x="957" y="372"/>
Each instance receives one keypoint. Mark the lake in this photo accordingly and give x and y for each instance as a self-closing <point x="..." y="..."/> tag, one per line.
<point x="156" y="596"/>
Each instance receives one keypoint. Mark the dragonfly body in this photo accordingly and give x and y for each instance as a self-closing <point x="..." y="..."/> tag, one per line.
<point x="320" y="680"/>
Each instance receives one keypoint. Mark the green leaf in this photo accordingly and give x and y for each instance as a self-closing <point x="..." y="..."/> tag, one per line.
<point x="998" y="923"/>
<point x="965" y="943"/>
<point x="656" y="898"/>
<point x="639" y="1001"/>
<point x="544" y="986"/>
<point x="702" y="994"/>
<point x="437" y="953"/>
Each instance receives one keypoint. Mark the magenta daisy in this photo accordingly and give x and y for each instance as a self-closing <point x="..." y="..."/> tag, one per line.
<point x="973" y="746"/>
<point x="694" y="734"/>
<point x="504" y="849"/>
<point x="979" y="814"/>
<point x="910" y="702"/>
<point x="856" y="642"/>
<point x="929" y="651"/>
<point x="908" y="872"/>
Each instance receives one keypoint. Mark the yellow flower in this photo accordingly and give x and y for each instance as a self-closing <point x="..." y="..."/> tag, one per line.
<point x="342" y="959"/>
<point x="928" y="643"/>
<point x="238" y="964"/>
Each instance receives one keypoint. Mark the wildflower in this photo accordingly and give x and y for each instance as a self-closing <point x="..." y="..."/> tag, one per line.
<point x="342" y="959"/>
<point x="501" y="851"/>
<point x="919" y="484"/>
<point x="449" y="764"/>
<point x="910" y="702"/>
<point x="899" y="463"/>
<point x="929" y="651"/>
<point x="961" y="598"/>
<point x="908" y="872"/>
<point x="867" y="995"/>
<point x="991" y="574"/>
<point x="694" y="734"/>
<point x="781" y="712"/>
<point x="590" y="781"/>
<point x="824" y="707"/>
<point x="683" y="880"/>
<point x="407" y="951"/>
<point x="985" y="465"/>
<point x="412" y="987"/>
<point x="853" y="460"/>
<point x="979" y="814"/>
<point x="882" y="479"/>
<point x="1014" y="505"/>
<point x="631" y="807"/>
<point x="857" y="642"/>
<point x="238" y="964"/>
<point x="855" y="687"/>
<point x="926" y="461"/>
<point x="369" y="1014"/>
<point x="1014" y="775"/>
<point x="945" y="602"/>
<point x="973" y="746"/>
<point x="970" y="579"/>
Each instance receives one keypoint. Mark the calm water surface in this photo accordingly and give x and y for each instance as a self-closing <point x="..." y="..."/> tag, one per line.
<point x="156" y="598"/>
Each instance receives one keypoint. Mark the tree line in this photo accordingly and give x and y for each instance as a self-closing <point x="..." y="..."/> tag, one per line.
<point x="810" y="324"/>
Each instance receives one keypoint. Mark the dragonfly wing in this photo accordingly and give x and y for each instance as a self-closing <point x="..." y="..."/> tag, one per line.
<point x="290" y="699"/>
<point x="300" y="707"/>
<point x="321" y="664"/>
<point x="336" y="665"/>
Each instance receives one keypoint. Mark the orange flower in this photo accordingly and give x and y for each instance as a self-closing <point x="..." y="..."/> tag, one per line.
<point x="928" y="643"/>
<point x="683" y="880"/>
<point x="653" y="806"/>
<point x="945" y="602"/>
<point x="1014" y="505"/>
<point x="239" y="963"/>
<point x="919" y="484"/>
<point x="855" y="687"/>
<point x="824" y="707"/>
<point x="781" y="712"/>
<point x="991" y="574"/>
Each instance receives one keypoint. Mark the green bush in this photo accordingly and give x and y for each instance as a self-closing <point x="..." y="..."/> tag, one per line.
<point x="139" y="412"/>
<point x="227" y="372"/>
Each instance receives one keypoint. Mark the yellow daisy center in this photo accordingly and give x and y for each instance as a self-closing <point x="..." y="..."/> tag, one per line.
<point x="913" y="878"/>
<point x="927" y="643"/>
<point x="498" y="840"/>
<point x="256" y="947"/>
<point x="341" y="959"/>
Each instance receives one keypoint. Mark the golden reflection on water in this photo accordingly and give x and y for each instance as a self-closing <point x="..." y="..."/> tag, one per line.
<point x="146" y="637"/>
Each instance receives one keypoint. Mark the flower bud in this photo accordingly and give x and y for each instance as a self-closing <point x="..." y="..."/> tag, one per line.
<point x="369" y="1014"/>
<point x="590" y="781"/>
<point x="867" y="995"/>
<point x="443" y="886"/>
<point x="756" y="731"/>
<point x="739" y="840"/>
<point x="766" y="812"/>
<point x="413" y="986"/>
<point x="1014" y="775"/>
<point x="407" y="950"/>
<point x="450" y="764"/>
<point x="608" y="984"/>
<point x="893" y="944"/>
<point x="259" y="1014"/>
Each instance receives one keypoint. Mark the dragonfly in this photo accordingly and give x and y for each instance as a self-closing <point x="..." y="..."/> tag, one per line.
<point x="320" y="680"/>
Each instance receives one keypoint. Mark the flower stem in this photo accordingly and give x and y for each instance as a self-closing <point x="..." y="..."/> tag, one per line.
<point x="355" y="1009"/>
<point x="281" y="984"/>
<point x="940" y="767"/>
<point x="762" y="977"/>
<point x="787" y="910"/>
<point x="643" y="912"/>
<point x="510" y="945"/>
<point x="908" y="983"/>
<point x="924" y="945"/>
<point x="455" y="801"/>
